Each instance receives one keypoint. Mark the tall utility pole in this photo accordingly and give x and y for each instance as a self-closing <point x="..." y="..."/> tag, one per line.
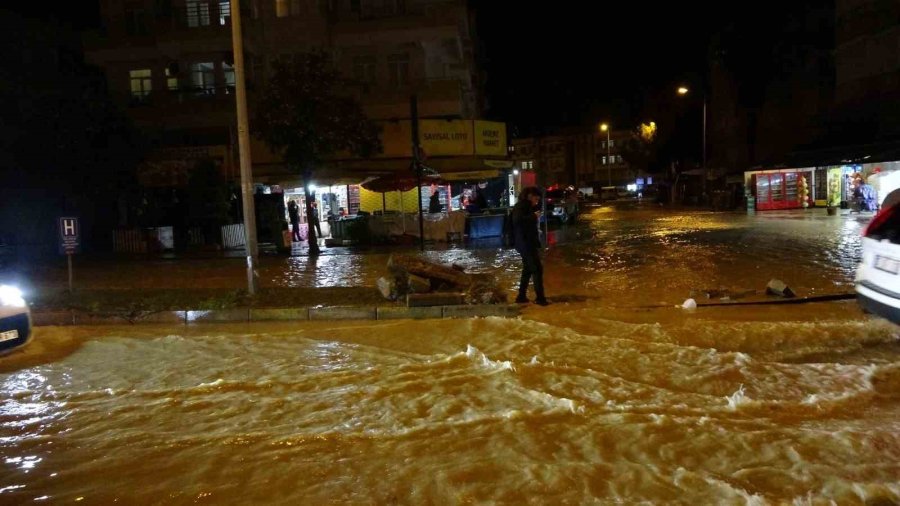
<point x="417" y="164"/>
<point x="605" y="128"/>
<point x="244" y="149"/>
<point x="705" y="170"/>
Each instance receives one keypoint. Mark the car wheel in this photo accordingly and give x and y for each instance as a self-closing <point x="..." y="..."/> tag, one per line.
<point x="564" y="217"/>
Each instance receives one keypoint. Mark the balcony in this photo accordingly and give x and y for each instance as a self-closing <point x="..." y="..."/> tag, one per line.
<point x="185" y="107"/>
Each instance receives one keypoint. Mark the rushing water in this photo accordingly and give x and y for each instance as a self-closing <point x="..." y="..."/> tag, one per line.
<point x="600" y="398"/>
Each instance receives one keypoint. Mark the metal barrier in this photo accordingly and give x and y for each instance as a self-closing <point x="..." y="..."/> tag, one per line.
<point x="129" y="241"/>
<point x="233" y="236"/>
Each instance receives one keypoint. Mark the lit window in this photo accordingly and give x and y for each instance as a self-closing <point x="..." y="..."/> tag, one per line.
<point x="224" y="12"/>
<point x="197" y="13"/>
<point x="141" y="83"/>
<point x="398" y="69"/>
<point x="203" y="78"/>
<point x="228" y="71"/>
<point x="171" y="79"/>
<point x="612" y="143"/>
<point x="604" y="160"/>
<point x="619" y="158"/>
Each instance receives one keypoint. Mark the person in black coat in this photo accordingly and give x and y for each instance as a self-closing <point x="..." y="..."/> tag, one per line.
<point x="434" y="203"/>
<point x="528" y="245"/>
<point x="294" y="215"/>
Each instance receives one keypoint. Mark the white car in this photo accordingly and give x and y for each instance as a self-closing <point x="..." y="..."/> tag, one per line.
<point x="878" y="275"/>
<point x="15" y="320"/>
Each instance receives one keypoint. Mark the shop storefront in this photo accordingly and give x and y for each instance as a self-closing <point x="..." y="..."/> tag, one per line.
<point x="830" y="185"/>
<point x="782" y="189"/>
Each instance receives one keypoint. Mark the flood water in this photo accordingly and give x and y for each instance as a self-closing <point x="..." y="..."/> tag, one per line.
<point x="611" y="395"/>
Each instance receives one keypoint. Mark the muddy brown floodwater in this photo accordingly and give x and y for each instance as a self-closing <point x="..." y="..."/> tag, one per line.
<point x="598" y="398"/>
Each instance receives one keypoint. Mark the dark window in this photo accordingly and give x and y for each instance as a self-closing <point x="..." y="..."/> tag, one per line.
<point x="136" y="21"/>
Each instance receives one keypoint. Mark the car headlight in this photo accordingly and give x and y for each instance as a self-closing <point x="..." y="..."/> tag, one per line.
<point x="11" y="296"/>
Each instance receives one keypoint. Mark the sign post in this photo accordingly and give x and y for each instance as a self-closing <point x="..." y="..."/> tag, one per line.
<point x="69" y="241"/>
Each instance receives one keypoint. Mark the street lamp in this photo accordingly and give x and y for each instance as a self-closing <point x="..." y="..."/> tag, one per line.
<point x="683" y="90"/>
<point x="605" y="128"/>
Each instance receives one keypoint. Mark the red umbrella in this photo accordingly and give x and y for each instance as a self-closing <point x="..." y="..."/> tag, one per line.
<point x="392" y="183"/>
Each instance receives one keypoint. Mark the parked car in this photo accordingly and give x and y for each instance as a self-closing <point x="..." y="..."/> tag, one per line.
<point x="878" y="275"/>
<point x="562" y="205"/>
<point x="15" y="319"/>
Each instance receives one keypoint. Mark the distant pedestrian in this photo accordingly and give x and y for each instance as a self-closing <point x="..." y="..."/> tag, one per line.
<point x="434" y="203"/>
<point x="525" y="236"/>
<point x="294" y="215"/>
<point x="314" y="219"/>
<point x="868" y="198"/>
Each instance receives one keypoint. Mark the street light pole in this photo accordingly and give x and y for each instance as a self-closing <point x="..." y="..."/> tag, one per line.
<point x="684" y="91"/>
<point x="704" y="138"/>
<point x="244" y="149"/>
<point x="604" y="127"/>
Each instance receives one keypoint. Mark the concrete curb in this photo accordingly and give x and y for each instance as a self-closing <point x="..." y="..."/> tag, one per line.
<point x="244" y="315"/>
<point x="343" y="313"/>
<point x="410" y="313"/>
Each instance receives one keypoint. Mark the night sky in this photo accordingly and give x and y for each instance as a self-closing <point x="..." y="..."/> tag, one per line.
<point x="582" y="64"/>
<point x="575" y="66"/>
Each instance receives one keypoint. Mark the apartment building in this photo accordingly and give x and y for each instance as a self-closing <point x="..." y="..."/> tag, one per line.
<point x="171" y="63"/>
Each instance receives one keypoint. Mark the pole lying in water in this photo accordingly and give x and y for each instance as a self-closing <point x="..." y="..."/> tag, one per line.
<point x="244" y="148"/>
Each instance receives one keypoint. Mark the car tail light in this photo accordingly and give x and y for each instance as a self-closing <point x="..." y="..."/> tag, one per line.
<point x="885" y="225"/>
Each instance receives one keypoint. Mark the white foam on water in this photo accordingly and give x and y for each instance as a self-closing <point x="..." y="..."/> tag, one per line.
<point x="217" y="383"/>
<point x="737" y="398"/>
<point x="497" y="365"/>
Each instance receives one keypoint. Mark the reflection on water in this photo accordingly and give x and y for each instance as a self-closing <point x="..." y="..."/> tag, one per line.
<point x="591" y="400"/>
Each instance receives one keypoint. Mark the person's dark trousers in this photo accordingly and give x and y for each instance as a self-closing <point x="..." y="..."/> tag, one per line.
<point x="531" y="269"/>
<point x="295" y="232"/>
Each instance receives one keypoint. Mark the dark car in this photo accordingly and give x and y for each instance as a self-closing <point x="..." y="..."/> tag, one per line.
<point x="878" y="275"/>
<point x="562" y="205"/>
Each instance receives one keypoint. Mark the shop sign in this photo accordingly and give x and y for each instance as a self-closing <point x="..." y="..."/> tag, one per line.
<point x="443" y="138"/>
<point x="438" y="137"/>
<point x="476" y="175"/>
<point x="490" y="138"/>
<point x="835" y="180"/>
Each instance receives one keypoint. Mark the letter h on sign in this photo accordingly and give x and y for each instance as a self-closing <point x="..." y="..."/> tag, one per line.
<point x="68" y="236"/>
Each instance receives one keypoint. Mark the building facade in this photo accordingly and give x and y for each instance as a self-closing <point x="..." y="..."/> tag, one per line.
<point x="580" y="159"/>
<point x="170" y="62"/>
<point x="867" y="68"/>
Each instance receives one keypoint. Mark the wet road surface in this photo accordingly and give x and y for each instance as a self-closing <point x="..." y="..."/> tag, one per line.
<point x="598" y="398"/>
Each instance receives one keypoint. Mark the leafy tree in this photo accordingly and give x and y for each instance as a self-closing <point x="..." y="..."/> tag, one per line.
<point x="302" y="114"/>
<point x="641" y="148"/>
